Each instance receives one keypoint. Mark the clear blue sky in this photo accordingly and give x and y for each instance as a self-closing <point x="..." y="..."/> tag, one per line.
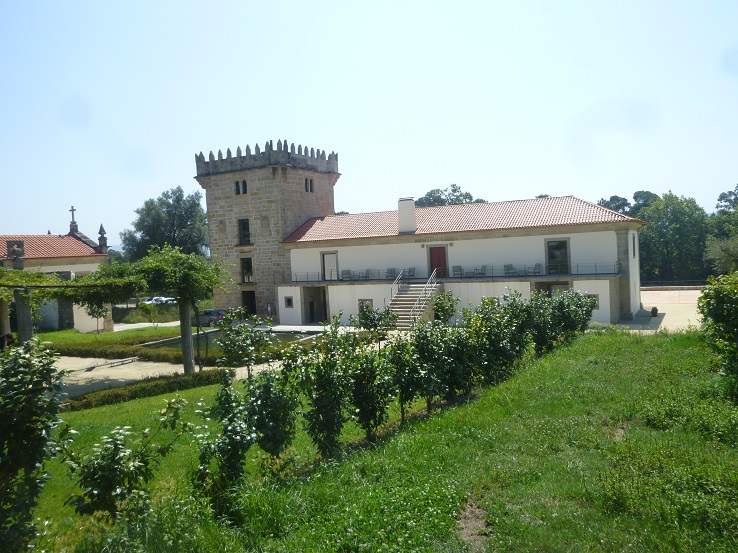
<point x="105" y="104"/>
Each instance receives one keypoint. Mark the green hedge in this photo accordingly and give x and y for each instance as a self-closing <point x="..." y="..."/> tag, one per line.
<point x="147" y="388"/>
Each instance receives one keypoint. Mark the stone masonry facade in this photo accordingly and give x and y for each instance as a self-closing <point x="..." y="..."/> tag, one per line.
<point x="270" y="193"/>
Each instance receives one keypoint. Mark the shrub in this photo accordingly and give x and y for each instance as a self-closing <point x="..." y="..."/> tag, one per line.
<point x="113" y="477"/>
<point x="273" y="406"/>
<point x="376" y="320"/>
<point x="324" y="380"/>
<point x="718" y="306"/>
<point x="499" y="333"/>
<point x="407" y="373"/>
<point x="222" y="455"/>
<point x="430" y="341"/>
<point x="30" y="399"/>
<point x="241" y="342"/>
<point x="572" y="310"/>
<point x="545" y="328"/>
<point x="371" y="391"/>
<point x="444" y="306"/>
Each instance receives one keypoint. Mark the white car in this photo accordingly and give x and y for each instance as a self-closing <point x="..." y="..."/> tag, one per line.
<point x="160" y="300"/>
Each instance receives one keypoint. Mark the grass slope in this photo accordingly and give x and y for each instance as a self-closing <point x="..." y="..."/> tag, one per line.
<point x="618" y="442"/>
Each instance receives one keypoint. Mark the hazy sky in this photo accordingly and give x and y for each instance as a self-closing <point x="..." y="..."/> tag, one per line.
<point x="105" y="104"/>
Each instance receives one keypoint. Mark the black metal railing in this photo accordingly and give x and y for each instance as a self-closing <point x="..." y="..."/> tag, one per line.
<point x="508" y="271"/>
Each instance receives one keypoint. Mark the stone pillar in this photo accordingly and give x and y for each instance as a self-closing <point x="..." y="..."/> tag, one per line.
<point x="624" y="278"/>
<point x="4" y="318"/>
<point x="185" y="332"/>
<point x="23" y="315"/>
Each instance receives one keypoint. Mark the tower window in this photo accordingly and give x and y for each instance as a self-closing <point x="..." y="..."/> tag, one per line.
<point x="244" y="234"/>
<point x="311" y="185"/>
<point x="247" y="269"/>
<point x="238" y="188"/>
<point x="307" y="185"/>
<point x="243" y="187"/>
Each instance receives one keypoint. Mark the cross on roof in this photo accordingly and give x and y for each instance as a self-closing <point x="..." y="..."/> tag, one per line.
<point x="73" y="210"/>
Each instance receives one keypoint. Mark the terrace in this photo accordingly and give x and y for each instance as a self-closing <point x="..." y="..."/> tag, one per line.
<point x="508" y="271"/>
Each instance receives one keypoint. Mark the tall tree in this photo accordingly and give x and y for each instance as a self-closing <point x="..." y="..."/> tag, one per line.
<point x="673" y="241"/>
<point x="641" y="200"/>
<point x="450" y="196"/>
<point x="184" y="276"/>
<point x="722" y="244"/>
<point x="616" y="203"/>
<point x="173" y="219"/>
<point x="727" y="202"/>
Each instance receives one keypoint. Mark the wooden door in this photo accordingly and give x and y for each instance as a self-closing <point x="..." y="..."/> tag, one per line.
<point x="438" y="261"/>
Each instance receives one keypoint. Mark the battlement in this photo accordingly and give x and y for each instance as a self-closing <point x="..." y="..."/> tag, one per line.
<point x="314" y="160"/>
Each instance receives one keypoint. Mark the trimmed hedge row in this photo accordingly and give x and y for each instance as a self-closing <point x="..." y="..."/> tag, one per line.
<point x="147" y="388"/>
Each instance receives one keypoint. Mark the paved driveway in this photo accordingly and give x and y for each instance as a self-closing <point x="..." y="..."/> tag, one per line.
<point x="677" y="310"/>
<point x="86" y="374"/>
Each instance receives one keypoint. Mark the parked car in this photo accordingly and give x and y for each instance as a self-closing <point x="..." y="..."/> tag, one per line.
<point x="208" y="317"/>
<point x="159" y="300"/>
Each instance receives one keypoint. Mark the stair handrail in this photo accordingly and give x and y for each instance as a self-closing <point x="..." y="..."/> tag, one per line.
<point x="427" y="292"/>
<point x="393" y="292"/>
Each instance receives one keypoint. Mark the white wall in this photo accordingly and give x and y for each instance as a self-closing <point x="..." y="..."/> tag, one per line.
<point x="289" y="315"/>
<point x="471" y="293"/>
<point x="84" y="323"/>
<point x="360" y="258"/>
<point x="584" y="248"/>
<point x="345" y="298"/>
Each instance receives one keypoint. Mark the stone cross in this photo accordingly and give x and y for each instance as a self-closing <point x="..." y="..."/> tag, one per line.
<point x="73" y="210"/>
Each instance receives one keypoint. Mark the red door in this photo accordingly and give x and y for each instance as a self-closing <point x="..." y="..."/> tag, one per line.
<point x="438" y="261"/>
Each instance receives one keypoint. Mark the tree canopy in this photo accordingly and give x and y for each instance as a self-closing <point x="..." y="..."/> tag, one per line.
<point x="616" y="203"/>
<point x="449" y="196"/>
<point x="673" y="241"/>
<point x="173" y="219"/>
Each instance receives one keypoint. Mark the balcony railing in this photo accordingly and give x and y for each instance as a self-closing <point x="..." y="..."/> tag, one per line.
<point x="508" y="271"/>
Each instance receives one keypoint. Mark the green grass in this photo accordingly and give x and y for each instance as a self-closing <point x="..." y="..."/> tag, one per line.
<point x="618" y="442"/>
<point x="133" y="337"/>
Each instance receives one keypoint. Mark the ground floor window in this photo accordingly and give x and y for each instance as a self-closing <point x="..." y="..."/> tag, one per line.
<point x="288" y="302"/>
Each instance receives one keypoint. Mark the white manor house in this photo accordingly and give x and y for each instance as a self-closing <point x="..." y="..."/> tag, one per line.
<point x="271" y="220"/>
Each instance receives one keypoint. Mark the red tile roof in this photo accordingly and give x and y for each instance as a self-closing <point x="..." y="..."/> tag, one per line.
<point x="518" y="214"/>
<point x="48" y="246"/>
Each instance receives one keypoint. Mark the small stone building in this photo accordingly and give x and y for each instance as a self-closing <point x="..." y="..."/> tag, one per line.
<point x="69" y="255"/>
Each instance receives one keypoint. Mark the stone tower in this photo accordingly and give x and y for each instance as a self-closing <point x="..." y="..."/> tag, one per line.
<point x="254" y="201"/>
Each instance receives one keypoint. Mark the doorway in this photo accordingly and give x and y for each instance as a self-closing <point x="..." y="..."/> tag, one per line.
<point x="557" y="257"/>
<point x="438" y="261"/>
<point x="248" y="301"/>
<point x="315" y="304"/>
<point x="329" y="262"/>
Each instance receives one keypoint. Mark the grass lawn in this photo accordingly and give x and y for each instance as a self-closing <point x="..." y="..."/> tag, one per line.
<point x="618" y="442"/>
<point x="133" y="337"/>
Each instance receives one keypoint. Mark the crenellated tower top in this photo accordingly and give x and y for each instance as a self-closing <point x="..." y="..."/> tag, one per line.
<point x="304" y="158"/>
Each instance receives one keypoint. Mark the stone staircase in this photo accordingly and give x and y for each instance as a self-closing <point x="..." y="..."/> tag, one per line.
<point x="406" y="298"/>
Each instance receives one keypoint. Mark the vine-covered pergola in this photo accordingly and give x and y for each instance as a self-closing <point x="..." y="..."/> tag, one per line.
<point x="166" y="270"/>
